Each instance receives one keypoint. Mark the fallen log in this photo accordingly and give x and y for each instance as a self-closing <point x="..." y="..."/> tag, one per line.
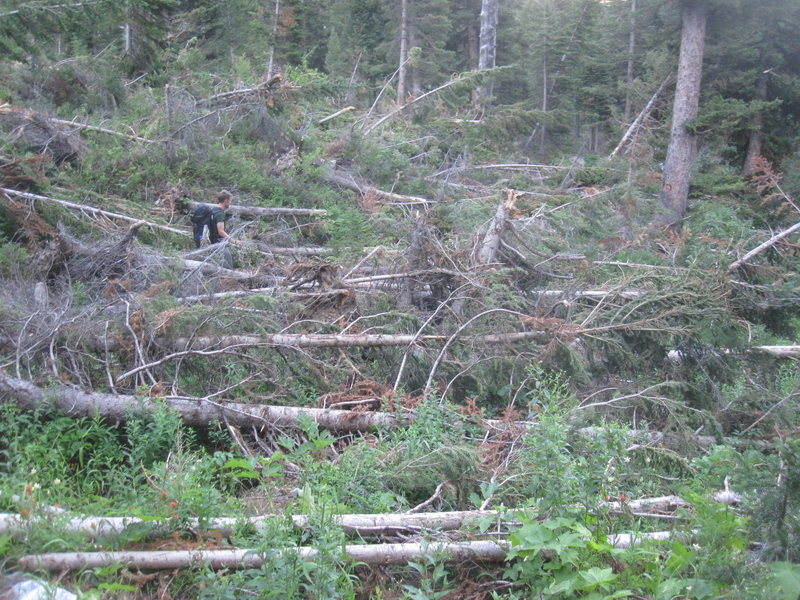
<point x="363" y="525"/>
<point x="780" y="351"/>
<point x="200" y="412"/>
<point x="260" y="211"/>
<point x="350" y="183"/>
<point x="194" y="411"/>
<point x="211" y="269"/>
<point x="90" y="210"/>
<point x="372" y="554"/>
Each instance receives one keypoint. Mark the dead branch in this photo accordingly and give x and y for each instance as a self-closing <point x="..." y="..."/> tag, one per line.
<point x="128" y="136"/>
<point x="634" y="127"/>
<point x="243" y="91"/>
<point x="419" y="98"/>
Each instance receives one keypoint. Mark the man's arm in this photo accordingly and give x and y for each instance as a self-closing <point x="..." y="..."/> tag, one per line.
<point x="224" y="234"/>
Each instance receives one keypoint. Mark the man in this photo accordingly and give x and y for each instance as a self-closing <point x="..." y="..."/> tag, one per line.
<point x="214" y="217"/>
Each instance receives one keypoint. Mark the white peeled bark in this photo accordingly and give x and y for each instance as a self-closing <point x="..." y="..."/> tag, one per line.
<point x="363" y="525"/>
<point x="380" y="554"/>
<point x="195" y="412"/>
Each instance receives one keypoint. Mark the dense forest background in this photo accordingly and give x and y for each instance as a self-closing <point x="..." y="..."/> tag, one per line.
<point x="516" y="278"/>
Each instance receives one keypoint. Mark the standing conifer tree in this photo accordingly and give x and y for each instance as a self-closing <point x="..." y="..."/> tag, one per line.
<point x="682" y="144"/>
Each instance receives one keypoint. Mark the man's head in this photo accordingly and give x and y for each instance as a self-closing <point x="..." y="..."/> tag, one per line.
<point x="224" y="199"/>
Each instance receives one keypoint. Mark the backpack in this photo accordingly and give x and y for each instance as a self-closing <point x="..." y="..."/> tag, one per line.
<point x="200" y="218"/>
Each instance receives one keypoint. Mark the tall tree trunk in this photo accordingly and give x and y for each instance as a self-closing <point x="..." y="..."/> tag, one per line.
<point x="275" y="18"/>
<point x="754" y="144"/>
<point x="401" y="71"/>
<point x="487" y="51"/>
<point x="629" y="73"/>
<point x="683" y="144"/>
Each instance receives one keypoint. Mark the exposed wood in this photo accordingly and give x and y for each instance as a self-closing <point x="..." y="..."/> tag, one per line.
<point x="364" y="525"/>
<point x="90" y="210"/>
<point x="209" y="268"/>
<point x="781" y="351"/>
<point x="760" y="248"/>
<point x="490" y="244"/>
<point x="194" y="411"/>
<point x="373" y="554"/>
<point x="346" y="109"/>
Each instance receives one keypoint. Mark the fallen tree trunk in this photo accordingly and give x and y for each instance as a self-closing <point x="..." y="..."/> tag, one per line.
<point x="259" y="211"/>
<point x="90" y="210"/>
<point x="211" y="269"/>
<point x="781" y="351"/>
<point x="349" y="182"/>
<point x="372" y="554"/>
<point x="200" y="412"/>
<point x="194" y="411"/>
<point x="364" y="525"/>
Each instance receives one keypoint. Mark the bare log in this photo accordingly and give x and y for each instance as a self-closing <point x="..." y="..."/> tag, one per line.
<point x="363" y="525"/>
<point x="261" y="211"/>
<point x="208" y="268"/>
<point x="350" y="183"/>
<point x="194" y="411"/>
<point x="90" y="210"/>
<point x="382" y="554"/>
<point x="320" y="340"/>
<point x="759" y="249"/>
<point x="780" y="351"/>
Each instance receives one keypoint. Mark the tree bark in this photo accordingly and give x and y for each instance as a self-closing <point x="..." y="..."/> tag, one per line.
<point x="381" y="554"/>
<point x="258" y="211"/>
<point x="194" y="411"/>
<point x="487" y="50"/>
<point x="629" y="71"/>
<point x="756" y="139"/>
<point x="682" y="145"/>
<point x="402" y="69"/>
<point x="363" y="525"/>
<point x="491" y="240"/>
